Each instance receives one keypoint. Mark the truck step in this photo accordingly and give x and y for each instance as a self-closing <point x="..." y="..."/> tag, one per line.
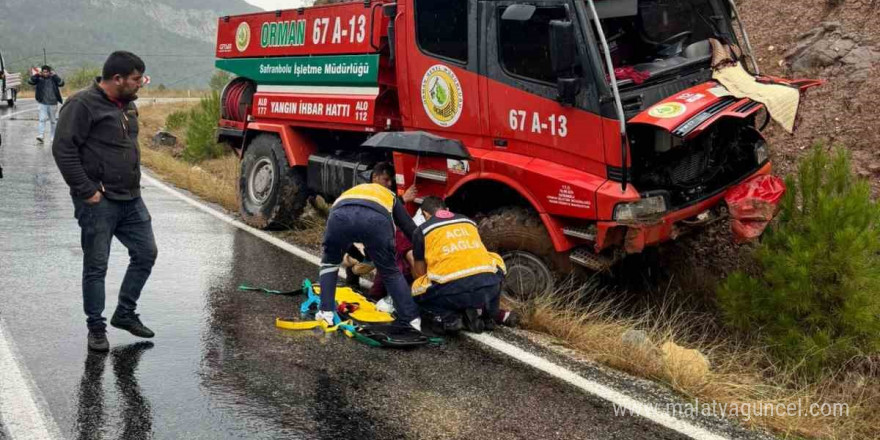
<point x="588" y="233"/>
<point x="435" y="175"/>
<point x="595" y="262"/>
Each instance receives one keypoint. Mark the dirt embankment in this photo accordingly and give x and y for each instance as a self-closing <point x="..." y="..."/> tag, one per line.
<point x="835" y="40"/>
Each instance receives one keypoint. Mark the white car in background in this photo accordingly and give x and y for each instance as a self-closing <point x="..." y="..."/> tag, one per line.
<point x="9" y="84"/>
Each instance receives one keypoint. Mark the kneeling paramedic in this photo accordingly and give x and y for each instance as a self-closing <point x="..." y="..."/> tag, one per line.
<point x="367" y="214"/>
<point x="456" y="275"/>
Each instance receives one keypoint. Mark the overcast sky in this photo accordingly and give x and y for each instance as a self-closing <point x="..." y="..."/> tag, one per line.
<point x="271" y="5"/>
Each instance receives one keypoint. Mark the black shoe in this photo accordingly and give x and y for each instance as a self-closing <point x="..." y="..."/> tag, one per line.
<point x="488" y="322"/>
<point x="453" y="325"/>
<point x="472" y="322"/>
<point x="511" y="319"/>
<point x="132" y="324"/>
<point x="432" y="325"/>
<point x="98" y="341"/>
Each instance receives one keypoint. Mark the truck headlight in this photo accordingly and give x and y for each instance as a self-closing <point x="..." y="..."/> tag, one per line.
<point x="762" y="154"/>
<point x="644" y="208"/>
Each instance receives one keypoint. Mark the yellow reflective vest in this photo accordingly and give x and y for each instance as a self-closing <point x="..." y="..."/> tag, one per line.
<point x="370" y="192"/>
<point x="454" y="250"/>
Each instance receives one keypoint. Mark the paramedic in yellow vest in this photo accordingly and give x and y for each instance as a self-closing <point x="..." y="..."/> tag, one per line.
<point x="456" y="277"/>
<point x="367" y="214"/>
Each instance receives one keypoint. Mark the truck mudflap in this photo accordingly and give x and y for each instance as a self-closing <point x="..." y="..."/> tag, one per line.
<point x="752" y="205"/>
<point x="755" y="198"/>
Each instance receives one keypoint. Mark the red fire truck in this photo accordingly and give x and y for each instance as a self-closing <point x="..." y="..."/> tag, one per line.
<point x="570" y="160"/>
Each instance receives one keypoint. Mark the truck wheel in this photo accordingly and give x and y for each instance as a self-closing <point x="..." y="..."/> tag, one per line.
<point x="272" y="193"/>
<point x="520" y="237"/>
<point x="11" y="102"/>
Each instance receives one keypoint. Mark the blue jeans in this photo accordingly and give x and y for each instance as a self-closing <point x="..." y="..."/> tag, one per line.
<point x="358" y="224"/>
<point x="130" y="222"/>
<point x="47" y="112"/>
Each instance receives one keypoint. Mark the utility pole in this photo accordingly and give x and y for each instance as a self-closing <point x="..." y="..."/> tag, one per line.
<point x="44" y="57"/>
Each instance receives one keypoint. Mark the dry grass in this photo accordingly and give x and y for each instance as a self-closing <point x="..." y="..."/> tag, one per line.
<point x="739" y="374"/>
<point x="214" y="180"/>
<point x="152" y="117"/>
<point x="308" y="232"/>
<point x="197" y="179"/>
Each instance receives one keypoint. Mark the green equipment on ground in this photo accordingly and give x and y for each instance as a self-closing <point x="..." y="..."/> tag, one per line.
<point x="246" y="288"/>
<point x="355" y="317"/>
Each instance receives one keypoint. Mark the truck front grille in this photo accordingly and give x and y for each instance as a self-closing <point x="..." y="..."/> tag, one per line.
<point x="689" y="168"/>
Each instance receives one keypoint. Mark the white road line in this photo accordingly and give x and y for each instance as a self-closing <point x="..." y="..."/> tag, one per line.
<point x="623" y="401"/>
<point x="22" y="416"/>
<point x="18" y="113"/>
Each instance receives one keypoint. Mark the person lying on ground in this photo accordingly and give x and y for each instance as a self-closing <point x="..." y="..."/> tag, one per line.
<point x="403" y="257"/>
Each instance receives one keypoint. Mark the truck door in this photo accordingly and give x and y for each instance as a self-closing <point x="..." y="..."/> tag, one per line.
<point x="441" y="93"/>
<point x="524" y="114"/>
<point x="443" y="83"/>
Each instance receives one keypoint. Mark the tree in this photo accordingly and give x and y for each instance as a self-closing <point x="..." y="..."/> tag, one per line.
<point x="201" y="143"/>
<point x="219" y="80"/>
<point x="82" y="77"/>
<point x="814" y="296"/>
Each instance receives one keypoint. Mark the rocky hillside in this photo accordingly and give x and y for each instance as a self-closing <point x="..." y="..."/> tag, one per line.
<point x="175" y="37"/>
<point x="836" y="40"/>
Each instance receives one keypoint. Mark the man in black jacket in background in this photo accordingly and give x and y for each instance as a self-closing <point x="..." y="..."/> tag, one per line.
<point x="47" y="90"/>
<point x="96" y="150"/>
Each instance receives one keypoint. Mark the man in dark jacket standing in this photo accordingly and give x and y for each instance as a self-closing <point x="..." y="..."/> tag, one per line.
<point x="47" y="87"/>
<point x="96" y="150"/>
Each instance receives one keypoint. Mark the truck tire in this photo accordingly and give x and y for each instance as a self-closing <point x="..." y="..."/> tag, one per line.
<point x="11" y="102"/>
<point x="520" y="237"/>
<point x="273" y="194"/>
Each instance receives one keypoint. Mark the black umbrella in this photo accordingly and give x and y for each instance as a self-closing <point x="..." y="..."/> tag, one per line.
<point x="419" y="143"/>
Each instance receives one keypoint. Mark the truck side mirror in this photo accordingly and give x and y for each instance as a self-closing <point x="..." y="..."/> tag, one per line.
<point x="568" y="89"/>
<point x="563" y="58"/>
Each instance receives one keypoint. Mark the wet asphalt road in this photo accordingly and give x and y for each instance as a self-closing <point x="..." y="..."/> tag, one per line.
<point x="218" y="368"/>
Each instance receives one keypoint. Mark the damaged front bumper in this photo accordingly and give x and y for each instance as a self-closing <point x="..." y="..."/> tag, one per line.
<point x="754" y="202"/>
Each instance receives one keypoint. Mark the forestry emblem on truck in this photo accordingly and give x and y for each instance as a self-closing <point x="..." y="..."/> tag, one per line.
<point x="243" y="37"/>
<point x="441" y="95"/>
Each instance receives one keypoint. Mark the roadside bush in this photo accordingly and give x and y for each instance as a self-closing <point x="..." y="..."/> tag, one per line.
<point x="219" y="80"/>
<point x="177" y="120"/>
<point x="25" y="86"/>
<point x="815" y="297"/>
<point x="82" y="78"/>
<point x="200" y="141"/>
